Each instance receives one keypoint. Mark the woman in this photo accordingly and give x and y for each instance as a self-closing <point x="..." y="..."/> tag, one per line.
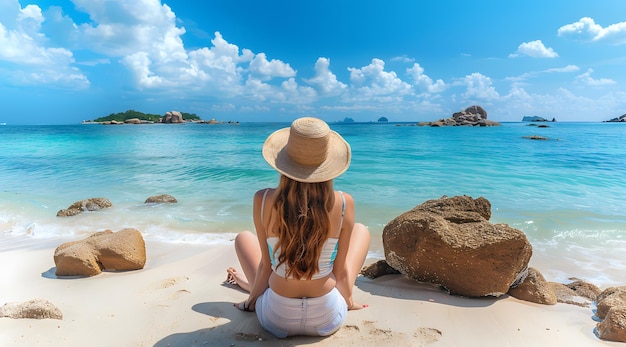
<point x="302" y="264"/>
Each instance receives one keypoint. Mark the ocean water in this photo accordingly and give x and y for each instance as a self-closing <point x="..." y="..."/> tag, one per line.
<point x="567" y="194"/>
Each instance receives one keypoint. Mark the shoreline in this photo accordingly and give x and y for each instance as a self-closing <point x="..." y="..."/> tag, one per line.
<point x="180" y="299"/>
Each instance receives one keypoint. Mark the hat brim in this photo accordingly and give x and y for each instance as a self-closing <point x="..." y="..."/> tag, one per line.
<point x="336" y="163"/>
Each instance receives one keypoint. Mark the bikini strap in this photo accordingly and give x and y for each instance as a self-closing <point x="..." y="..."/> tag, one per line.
<point x="263" y="204"/>
<point x="343" y="209"/>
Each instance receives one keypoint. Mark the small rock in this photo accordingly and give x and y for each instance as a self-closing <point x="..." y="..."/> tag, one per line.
<point x="34" y="309"/>
<point x="92" y="204"/>
<point x="159" y="199"/>
<point x="534" y="289"/>
<point x="377" y="269"/>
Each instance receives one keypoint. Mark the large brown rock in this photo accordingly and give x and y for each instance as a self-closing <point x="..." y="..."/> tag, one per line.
<point x="613" y="296"/>
<point x="92" y="204"/>
<point x="535" y="289"/>
<point x="450" y="242"/>
<point x="613" y="327"/>
<point x="34" y="309"/>
<point x="106" y="250"/>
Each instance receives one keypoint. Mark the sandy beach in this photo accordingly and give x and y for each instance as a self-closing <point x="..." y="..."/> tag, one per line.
<point x="180" y="299"/>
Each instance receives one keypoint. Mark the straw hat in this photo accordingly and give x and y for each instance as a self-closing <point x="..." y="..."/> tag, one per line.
<point x="308" y="151"/>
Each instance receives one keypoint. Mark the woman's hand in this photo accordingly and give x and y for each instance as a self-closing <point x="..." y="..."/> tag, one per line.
<point x="245" y="306"/>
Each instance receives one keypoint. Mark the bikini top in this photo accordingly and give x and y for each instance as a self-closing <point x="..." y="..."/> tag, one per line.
<point x="327" y="256"/>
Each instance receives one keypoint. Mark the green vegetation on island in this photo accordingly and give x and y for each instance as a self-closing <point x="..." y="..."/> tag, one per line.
<point x="123" y="116"/>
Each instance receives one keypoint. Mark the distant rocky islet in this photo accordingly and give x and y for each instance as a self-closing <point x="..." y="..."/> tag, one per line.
<point x="170" y="117"/>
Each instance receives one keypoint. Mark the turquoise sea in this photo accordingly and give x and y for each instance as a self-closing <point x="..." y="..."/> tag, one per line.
<point x="567" y="194"/>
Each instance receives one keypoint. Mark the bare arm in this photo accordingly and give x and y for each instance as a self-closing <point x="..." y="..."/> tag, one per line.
<point x="343" y="268"/>
<point x="261" y="280"/>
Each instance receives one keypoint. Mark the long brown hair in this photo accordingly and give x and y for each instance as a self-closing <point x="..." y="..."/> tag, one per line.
<point x="300" y="217"/>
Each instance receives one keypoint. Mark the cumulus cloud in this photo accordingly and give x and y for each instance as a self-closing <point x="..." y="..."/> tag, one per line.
<point x="372" y="82"/>
<point x="588" y="30"/>
<point x="588" y="80"/>
<point x="423" y="82"/>
<point x="24" y="46"/>
<point x="479" y="86"/>
<point x="535" y="49"/>
<point x="324" y="81"/>
<point x="270" y="68"/>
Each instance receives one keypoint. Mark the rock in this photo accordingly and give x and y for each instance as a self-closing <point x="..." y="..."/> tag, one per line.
<point x="536" y="137"/>
<point x="172" y="117"/>
<point x="585" y="289"/>
<point x="566" y="295"/>
<point x="105" y="250"/>
<point x="471" y="116"/>
<point x="35" y="309"/>
<point x="92" y="204"/>
<point x="534" y="289"/>
<point x="133" y="121"/>
<point x="621" y="118"/>
<point x="377" y="269"/>
<point x="450" y="242"/>
<point x="613" y="327"/>
<point x="160" y="199"/>
<point x="610" y="297"/>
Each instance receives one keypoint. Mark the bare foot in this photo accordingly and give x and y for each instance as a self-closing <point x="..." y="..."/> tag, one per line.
<point x="234" y="277"/>
<point x="356" y="306"/>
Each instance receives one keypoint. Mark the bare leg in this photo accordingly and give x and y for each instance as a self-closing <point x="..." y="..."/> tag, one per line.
<point x="359" y="245"/>
<point x="249" y="255"/>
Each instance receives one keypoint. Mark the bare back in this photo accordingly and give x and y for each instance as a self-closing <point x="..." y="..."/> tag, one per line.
<point x="297" y="288"/>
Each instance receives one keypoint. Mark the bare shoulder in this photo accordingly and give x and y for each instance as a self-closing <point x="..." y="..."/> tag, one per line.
<point x="259" y="194"/>
<point x="348" y="198"/>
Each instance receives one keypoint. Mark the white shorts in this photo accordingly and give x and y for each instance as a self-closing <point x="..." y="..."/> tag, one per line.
<point x="281" y="316"/>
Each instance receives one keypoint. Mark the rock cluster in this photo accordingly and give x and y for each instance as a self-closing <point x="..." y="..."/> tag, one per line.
<point x="172" y="117"/>
<point x="105" y="250"/>
<point x="92" y="204"/>
<point x="449" y="242"/>
<point x="471" y="116"/>
<point x="611" y="308"/>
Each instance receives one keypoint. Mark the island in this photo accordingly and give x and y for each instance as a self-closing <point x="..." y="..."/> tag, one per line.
<point x="619" y="119"/>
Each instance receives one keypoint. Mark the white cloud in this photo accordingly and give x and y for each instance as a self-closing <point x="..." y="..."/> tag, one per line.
<point x="535" y="49"/>
<point x="325" y="81"/>
<point x="587" y="29"/>
<point x="568" y="68"/>
<point x="423" y="82"/>
<point x="403" y="59"/>
<point x="588" y="80"/>
<point x="479" y="86"/>
<point x="531" y="74"/>
<point x="139" y="63"/>
<point x="268" y="69"/>
<point x="24" y="46"/>
<point x="562" y="104"/>
<point x="372" y="82"/>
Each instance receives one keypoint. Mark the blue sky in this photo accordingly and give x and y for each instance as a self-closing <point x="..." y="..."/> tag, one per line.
<point x="62" y="62"/>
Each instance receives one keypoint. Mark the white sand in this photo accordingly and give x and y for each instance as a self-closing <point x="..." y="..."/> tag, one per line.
<point x="179" y="299"/>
